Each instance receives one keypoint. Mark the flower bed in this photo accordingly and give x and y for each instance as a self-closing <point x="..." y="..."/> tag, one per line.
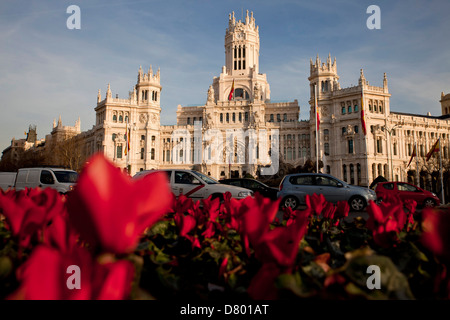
<point x="132" y="239"/>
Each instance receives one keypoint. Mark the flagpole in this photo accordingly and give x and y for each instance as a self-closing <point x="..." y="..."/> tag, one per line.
<point x="317" y="131"/>
<point x="417" y="161"/>
<point x="441" y="171"/>
<point x="126" y="146"/>
<point x="365" y="135"/>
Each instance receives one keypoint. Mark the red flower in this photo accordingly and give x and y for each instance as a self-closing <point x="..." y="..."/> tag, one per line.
<point x="258" y="213"/>
<point x="46" y="276"/>
<point x="328" y="211"/>
<point x="280" y="245"/>
<point x="29" y="211"/>
<point x="111" y="210"/>
<point x="315" y="202"/>
<point x="436" y="235"/>
<point x="342" y="209"/>
<point x="385" y="221"/>
<point x="185" y="223"/>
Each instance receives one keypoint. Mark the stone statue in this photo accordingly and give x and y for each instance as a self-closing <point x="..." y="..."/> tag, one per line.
<point x="210" y="94"/>
<point x="256" y="92"/>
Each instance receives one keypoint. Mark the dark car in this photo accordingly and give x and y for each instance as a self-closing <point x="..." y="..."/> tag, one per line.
<point x="406" y="191"/>
<point x="253" y="185"/>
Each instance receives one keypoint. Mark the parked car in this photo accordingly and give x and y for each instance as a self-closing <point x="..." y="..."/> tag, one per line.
<point x="197" y="185"/>
<point x="253" y="185"/>
<point x="406" y="191"/>
<point x="7" y="180"/>
<point x="294" y="188"/>
<point x="62" y="180"/>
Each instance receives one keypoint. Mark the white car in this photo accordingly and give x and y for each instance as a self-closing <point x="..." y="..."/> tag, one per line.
<point x="196" y="185"/>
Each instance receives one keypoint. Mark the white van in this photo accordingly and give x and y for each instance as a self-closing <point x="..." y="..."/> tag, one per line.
<point x="197" y="185"/>
<point x="7" y="180"/>
<point x="62" y="180"/>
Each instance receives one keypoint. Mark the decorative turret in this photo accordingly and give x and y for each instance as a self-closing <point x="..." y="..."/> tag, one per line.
<point x="148" y="87"/>
<point x="324" y="75"/>
<point x="385" y="83"/>
<point x="99" y="96"/>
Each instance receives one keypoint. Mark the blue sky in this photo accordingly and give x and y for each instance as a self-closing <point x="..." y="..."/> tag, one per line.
<point x="47" y="70"/>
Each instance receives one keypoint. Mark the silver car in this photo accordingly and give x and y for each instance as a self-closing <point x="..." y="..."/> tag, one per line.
<point x="294" y="188"/>
<point x="196" y="185"/>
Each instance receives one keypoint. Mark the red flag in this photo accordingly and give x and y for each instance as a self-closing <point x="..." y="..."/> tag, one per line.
<point x="127" y="136"/>
<point x="363" y="118"/>
<point x="434" y="149"/>
<point x="414" y="154"/>
<point x="318" y="118"/>
<point x="231" y="92"/>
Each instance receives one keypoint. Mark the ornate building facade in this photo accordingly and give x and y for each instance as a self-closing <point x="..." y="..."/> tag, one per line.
<point x="343" y="148"/>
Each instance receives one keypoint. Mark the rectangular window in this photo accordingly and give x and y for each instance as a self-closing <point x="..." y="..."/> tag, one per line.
<point x="246" y="117"/>
<point x="240" y="116"/>
<point x="350" y="146"/>
<point x="119" y="152"/>
<point x="379" y="146"/>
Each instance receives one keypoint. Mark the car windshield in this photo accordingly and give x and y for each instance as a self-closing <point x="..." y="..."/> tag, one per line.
<point x="66" y="176"/>
<point x="206" y="179"/>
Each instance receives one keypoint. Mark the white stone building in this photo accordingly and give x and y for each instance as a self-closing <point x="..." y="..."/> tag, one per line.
<point x="343" y="148"/>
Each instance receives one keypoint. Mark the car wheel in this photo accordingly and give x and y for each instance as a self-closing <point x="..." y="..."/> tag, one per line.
<point x="357" y="203"/>
<point x="429" y="203"/>
<point x="291" y="202"/>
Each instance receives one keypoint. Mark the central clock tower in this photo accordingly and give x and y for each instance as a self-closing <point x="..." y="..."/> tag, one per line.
<point x="241" y="45"/>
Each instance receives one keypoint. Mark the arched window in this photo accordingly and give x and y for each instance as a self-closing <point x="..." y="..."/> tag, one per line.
<point x="240" y="116"/>
<point x="114" y="136"/>
<point x="356" y="129"/>
<point x="278" y="117"/>
<point x="228" y="117"/>
<point x="349" y="109"/>
<point x="188" y="120"/>
<point x="355" y="108"/>
<point x="285" y="117"/>
<point x="120" y="118"/>
<point x="142" y="153"/>
<point x="234" y="117"/>
<point x="343" y="110"/>
<point x="119" y="152"/>
<point x="344" y="172"/>
<point x="240" y="94"/>
<point x="327" y="149"/>
<point x="115" y="118"/>
<point x="221" y="117"/>
<point x="344" y="130"/>
<point x="153" y="154"/>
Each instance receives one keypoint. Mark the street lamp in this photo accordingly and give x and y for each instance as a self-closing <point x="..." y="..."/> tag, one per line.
<point x="389" y="130"/>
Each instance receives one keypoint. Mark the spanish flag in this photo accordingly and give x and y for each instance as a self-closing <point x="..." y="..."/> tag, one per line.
<point x="363" y="118"/>
<point x="434" y="149"/>
<point x="127" y="138"/>
<point x="318" y="118"/>
<point x="231" y="91"/>
<point x="414" y="154"/>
